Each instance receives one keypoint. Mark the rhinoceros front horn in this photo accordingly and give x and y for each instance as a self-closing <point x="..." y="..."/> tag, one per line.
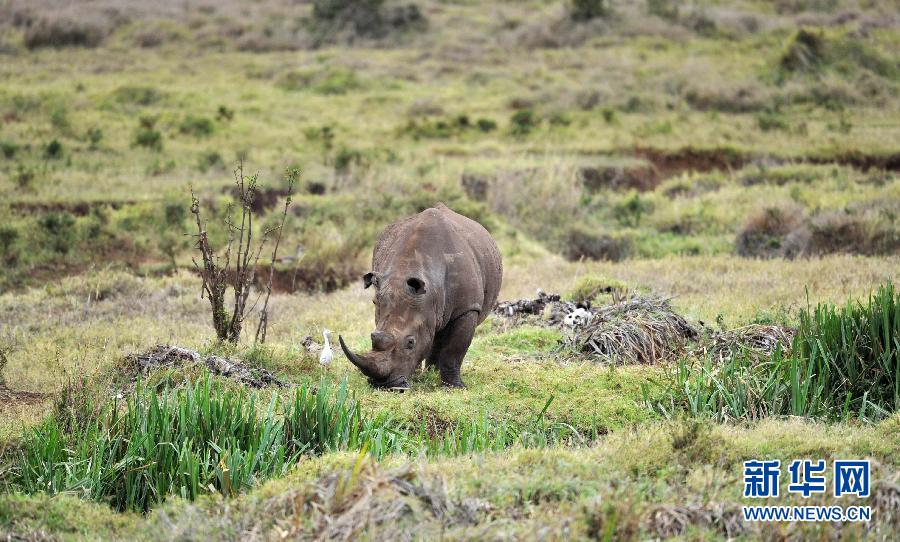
<point x="365" y="365"/>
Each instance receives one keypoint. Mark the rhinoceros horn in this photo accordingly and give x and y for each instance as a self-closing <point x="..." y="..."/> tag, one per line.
<point x="366" y="364"/>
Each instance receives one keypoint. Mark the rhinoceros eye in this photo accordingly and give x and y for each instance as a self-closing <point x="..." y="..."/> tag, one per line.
<point x="416" y="285"/>
<point x="410" y="342"/>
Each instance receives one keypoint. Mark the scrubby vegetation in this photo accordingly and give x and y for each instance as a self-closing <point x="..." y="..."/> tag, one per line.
<point x="841" y="364"/>
<point x="716" y="183"/>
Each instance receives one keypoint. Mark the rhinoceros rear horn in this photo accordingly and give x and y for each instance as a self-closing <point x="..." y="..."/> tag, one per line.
<point x="367" y="366"/>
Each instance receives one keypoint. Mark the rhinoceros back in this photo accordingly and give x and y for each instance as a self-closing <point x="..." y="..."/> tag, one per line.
<point x="471" y="258"/>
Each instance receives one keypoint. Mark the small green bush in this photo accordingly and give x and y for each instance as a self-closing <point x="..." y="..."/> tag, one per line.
<point x="197" y="126"/>
<point x="52" y="30"/>
<point x="94" y="137"/>
<point x="59" y="117"/>
<point x="523" y="122"/>
<point x="805" y="52"/>
<point x="596" y="289"/>
<point x="210" y="160"/>
<point x="583" y="242"/>
<point x="24" y="177"/>
<point x="486" y="124"/>
<point x="584" y="10"/>
<point x="9" y="148"/>
<point x="8" y="237"/>
<point x="147" y="135"/>
<point x="224" y="113"/>
<point x="629" y="211"/>
<point x="59" y="230"/>
<point x="53" y="149"/>
<point x="137" y="95"/>
<point x="346" y="157"/>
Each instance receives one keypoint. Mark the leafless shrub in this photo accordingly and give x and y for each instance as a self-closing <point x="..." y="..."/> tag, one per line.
<point x="217" y="272"/>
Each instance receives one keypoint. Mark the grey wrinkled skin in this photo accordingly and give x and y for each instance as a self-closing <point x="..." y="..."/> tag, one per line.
<point x="436" y="277"/>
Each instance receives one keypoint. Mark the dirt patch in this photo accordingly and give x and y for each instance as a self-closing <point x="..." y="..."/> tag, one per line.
<point x="670" y="163"/>
<point x="306" y="280"/>
<point x="10" y="398"/>
<point x="665" y="164"/>
<point x="861" y="161"/>
<point x="169" y="357"/>
<point x="640" y="178"/>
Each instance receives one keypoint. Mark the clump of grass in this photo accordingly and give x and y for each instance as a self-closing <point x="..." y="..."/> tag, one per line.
<point x="137" y="95"/>
<point x="59" y="30"/>
<point x="764" y="232"/>
<point x="585" y="10"/>
<point x="581" y="241"/>
<point x="147" y="135"/>
<point x="522" y="122"/>
<point x="53" y="149"/>
<point x="185" y="442"/>
<point x="197" y="126"/>
<point x="211" y="438"/>
<point x="843" y="364"/>
<point x="595" y="289"/>
<point x="9" y="149"/>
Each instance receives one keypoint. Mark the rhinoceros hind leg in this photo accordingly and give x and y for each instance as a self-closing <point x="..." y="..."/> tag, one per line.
<point x="450" y="347"/>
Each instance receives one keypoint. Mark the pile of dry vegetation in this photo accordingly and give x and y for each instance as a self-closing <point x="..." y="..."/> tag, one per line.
<point x="633" y="328"/>
<point x="758" y="340"/>
<point x="171" y="357"/>
<point x="642" y="329"/>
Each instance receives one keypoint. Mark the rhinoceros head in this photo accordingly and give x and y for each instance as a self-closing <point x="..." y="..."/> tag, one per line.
<point x="404" y="328"/>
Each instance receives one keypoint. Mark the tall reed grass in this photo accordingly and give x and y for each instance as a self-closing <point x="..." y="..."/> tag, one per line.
<point x="842" y="364"/>
<point x="207" y="438"/>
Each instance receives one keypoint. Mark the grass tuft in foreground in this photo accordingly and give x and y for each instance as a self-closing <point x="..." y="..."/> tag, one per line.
<point x="208" y="438"/>
<point x="843" y="365"/>
<point x="183" y="442"/>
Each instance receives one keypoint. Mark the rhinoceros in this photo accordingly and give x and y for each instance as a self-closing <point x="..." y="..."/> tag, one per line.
<point x="436" y="275"/>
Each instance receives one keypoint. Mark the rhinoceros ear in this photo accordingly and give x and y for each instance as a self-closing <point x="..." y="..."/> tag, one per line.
<point x="416" y="285"/>
<point x="370" y="279"/>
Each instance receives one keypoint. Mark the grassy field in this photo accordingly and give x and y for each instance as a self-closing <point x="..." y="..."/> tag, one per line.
<point x="738" y="157"/>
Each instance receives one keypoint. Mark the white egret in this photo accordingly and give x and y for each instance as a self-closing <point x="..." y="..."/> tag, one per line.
<point x="327" y="354"/>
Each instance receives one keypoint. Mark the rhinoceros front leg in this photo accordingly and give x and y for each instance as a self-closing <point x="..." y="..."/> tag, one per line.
<point x="450" y="347"/>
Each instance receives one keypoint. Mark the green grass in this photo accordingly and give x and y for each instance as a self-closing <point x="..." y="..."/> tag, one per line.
<point x="843" y="365"/>
<point x="184" y="442"/>
<point x="100" y="145"/>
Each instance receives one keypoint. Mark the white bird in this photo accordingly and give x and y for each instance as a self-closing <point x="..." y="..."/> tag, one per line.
<point x="326" y="355"/>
